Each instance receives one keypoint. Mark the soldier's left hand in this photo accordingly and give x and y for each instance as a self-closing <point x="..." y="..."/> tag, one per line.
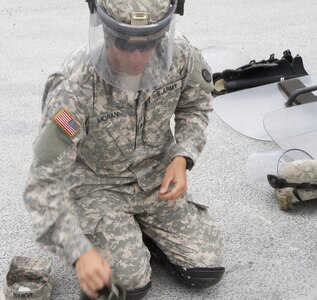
<point x="175" y="176"/>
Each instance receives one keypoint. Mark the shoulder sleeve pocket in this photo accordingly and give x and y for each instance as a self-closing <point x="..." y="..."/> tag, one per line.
<point x="50" y="143"/>
<point x="201" y="74"/>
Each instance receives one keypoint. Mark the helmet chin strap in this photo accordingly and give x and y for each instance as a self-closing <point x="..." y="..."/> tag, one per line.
<point x="91" y="5"/>
<point x="180" y="6"/>
<point x="280" y="183"/>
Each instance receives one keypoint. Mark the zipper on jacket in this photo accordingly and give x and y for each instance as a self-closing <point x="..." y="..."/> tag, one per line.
<point x="136" y="119"/>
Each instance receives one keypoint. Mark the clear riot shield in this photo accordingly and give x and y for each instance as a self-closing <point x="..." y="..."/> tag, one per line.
<point x="294" y="127"/>
<point x="244" y="111"/>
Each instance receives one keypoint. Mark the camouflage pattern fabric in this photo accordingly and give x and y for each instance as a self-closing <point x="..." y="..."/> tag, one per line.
<point x="121" y="9"/>
<point x="28" y="278"/>
<point x="298" y="171"/>
<point x="181" y="228"/>
<point x="122" y="139"/>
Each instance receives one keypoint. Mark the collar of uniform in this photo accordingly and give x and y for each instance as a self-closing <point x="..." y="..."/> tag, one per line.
<point x="144" y="96"/>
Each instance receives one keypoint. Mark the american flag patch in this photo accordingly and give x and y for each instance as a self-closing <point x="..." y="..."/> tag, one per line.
<point x="65" y="121"/>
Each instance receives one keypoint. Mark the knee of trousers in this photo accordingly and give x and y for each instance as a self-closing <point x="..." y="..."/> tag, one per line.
<point x="133" y="274"/>
<point x="195" y="277"/>
<point x="204" y="254"/>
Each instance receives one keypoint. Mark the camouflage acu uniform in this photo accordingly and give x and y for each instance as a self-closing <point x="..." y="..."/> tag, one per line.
<point x="99" y="186"/>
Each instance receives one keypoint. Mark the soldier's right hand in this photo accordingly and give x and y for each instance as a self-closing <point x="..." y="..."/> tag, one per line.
<point x="93" y="272"/>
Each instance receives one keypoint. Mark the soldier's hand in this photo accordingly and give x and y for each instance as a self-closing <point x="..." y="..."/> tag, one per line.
<point x="175" y="176"/>
<point x="93" y="272"/>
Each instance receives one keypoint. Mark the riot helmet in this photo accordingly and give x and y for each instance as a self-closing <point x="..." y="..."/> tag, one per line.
<point x="131" y="41"/>
<point x="296" y="181"/>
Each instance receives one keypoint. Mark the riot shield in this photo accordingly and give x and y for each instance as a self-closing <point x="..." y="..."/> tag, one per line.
<point x="244" y="111"/>
<point x="294" y="127"/>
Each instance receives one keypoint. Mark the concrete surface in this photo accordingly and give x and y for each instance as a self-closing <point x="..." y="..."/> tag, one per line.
<point x="269" y="254"/>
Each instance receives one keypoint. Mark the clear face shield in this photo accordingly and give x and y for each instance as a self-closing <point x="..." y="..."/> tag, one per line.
<point x="131" y="57"/>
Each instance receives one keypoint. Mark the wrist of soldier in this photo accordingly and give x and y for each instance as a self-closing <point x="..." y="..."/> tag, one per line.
<point x="179" y="158"/>
<point x="188" y="161"/>
<point x="82" y="255"/>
